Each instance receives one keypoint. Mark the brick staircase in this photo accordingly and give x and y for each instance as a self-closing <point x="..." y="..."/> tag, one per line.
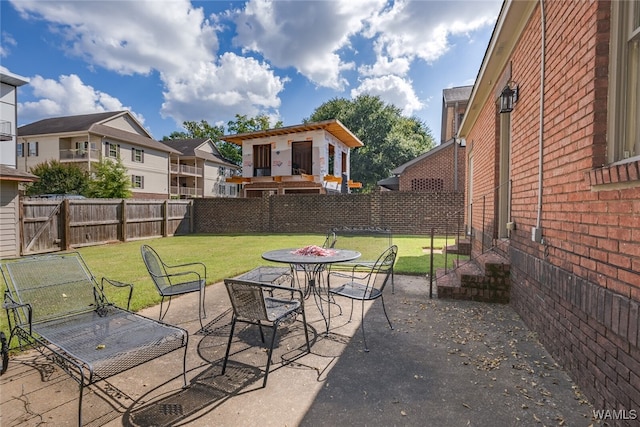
<point x="462" y="247"/>
<point x="484" y="278"/>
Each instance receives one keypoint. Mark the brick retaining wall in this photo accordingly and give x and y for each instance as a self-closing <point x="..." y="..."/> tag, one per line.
<point x="402" y="212"/>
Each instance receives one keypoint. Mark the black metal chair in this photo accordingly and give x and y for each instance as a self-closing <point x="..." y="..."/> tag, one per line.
<point x="263" y="304"/>
<point x="173" y="280"/>
<point x="369" y="286"/>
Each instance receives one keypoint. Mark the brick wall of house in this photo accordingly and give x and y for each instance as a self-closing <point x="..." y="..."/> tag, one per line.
<point x="580" y="288"/>
<point x="436" y="173"/>
<point x="402" y="212"/>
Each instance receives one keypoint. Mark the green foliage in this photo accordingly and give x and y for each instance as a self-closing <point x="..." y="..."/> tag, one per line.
<point x="390" y="139"/>
<point x="242" y="124"/>
<point x="58" y="178"/>
<point x="110" y="180"/>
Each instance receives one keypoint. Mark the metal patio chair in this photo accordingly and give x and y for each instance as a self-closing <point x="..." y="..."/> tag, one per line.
<point x="369" y="286"/>
<point x="263" y="304"/>
<point x="173" y="280"/>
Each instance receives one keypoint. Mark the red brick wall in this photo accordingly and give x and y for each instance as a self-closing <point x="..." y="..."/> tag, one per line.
<point x="438" y="166"/>
<point x="579" y="288"/>
<point x="401" y="212"/>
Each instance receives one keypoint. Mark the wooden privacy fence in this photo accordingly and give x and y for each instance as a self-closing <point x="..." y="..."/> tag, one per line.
<point x="56" y="225"/>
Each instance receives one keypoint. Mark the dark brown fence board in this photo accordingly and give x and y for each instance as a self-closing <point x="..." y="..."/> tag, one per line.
<point x="54" y="225"/>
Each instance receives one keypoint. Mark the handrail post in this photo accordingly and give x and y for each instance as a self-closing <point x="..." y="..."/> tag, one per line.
<point x="431" y="267"/>
<point x="446" y="252"/>
<point x="483" y="218"/>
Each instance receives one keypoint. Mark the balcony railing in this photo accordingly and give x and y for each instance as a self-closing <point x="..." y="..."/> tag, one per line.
<point x="5" y="130"/>
<point x="186" y="191"/>
<point x="79" y="154"/>
<point x="186" y="169"/>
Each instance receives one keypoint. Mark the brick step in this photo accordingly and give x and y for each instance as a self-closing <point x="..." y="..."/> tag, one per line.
<point x="486" y="278"/>
<point x="462" y="247"/>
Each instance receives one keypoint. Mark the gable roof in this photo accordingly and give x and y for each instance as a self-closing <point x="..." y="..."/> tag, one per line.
<point x="333" y="126"/>
<point x="190" y="147"/>
<point x="79" y="123"/>
<point x="400" y="169"/>
<point x="93" y="124"/>
<point x="456" y="94"/>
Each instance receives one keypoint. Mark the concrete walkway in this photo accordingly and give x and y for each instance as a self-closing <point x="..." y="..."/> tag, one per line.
<point x="446" y="363"/>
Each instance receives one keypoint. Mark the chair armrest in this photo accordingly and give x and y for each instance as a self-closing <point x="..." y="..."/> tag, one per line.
<point x="10" y="304"/>
<point x="120" y="285"/>
<point x="354" y="270"/>
<point x="271" y="287"/>
<point x="184" y="273"/>
<point x="189" y="264"/>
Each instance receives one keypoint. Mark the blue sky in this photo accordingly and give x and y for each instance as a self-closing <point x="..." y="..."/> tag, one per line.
<point x="168" y="61"/>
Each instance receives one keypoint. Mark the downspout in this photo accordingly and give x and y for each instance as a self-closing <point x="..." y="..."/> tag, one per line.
<point x="536" y="234"/>
<point x="455" y="147"/>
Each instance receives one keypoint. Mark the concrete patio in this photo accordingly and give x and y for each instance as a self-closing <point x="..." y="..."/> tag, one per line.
<point x="446" y="363"/>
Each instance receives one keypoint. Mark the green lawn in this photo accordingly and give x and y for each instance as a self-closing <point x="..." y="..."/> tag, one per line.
<point x="228" y="256"/>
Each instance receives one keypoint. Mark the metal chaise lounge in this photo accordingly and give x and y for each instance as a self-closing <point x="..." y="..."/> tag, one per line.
<point x="54" y="303"/>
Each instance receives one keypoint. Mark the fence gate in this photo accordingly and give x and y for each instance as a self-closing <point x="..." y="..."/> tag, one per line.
<point x="41" y="226"/>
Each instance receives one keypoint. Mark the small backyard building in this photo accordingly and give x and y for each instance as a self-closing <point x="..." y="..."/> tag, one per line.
<point x="305" y="158"/>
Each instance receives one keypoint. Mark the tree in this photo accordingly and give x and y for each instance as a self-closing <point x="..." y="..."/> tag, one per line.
<point x="242" y="124"/>
<point x="58" y="178"/>
<point x="110" y="180"/>
<point x="390" y="139"/>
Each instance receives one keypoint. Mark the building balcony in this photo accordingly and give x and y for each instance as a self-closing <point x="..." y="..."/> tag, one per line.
<point x="186" y="191"/>
<point x="179" y="169"/>
<point x="79" y="154"/>
<point x="5" y="131"/>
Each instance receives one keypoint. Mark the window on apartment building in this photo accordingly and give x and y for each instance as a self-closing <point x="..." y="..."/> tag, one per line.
<point x="20" y="149"/>
<point x="137" y="181"/>
<point x="232" y="190"/>
<point x="221" y="171"/>
<point x="32" y="148"/>
<point x="262" y="160"/>
<point x="624" y="107"/>
<point x="222" y="189"/>
<point x="137" y="155"/>
<point x="112" y="150"/>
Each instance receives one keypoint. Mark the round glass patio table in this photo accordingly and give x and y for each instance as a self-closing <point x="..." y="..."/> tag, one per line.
<point x="313" y="267"/>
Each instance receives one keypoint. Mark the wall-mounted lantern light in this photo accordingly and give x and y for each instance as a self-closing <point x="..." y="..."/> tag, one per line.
<point x="508" y="98"/>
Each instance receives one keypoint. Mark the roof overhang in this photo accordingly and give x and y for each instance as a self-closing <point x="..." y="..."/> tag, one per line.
<point x="9" y="78"/>
<point x="391" y="183"/>
<point x="8" y="173"/>
<point x="514" y="16"/>
<point x="334" y="127"/>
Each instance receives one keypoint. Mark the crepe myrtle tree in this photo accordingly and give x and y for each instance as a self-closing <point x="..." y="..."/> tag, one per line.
<point x="390" y="139"/>
<point x="109" y="180"/>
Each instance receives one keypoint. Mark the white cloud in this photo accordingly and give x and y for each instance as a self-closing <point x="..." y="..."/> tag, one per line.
<point x="305" y="35"/>
<point x="67" y="96"/>
<point x="393" y="90"/>
<point x="234" y="85"/>
<point x="7" y="42"/>
<point x="171" y="37"/>
<point x="422" y="29"/>
<point x="129" y="37"/>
